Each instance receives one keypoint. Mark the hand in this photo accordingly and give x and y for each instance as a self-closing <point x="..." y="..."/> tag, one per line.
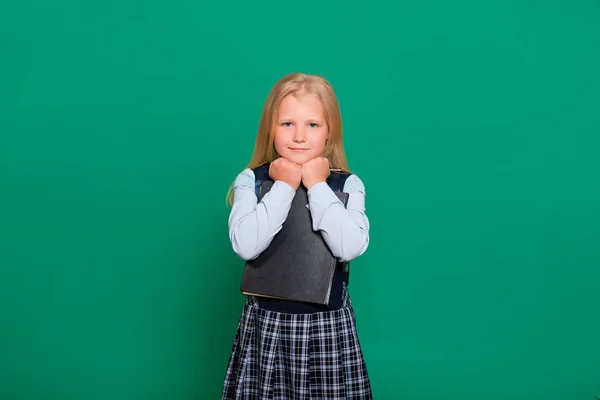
<point x="286" y="171"/>
<point x="315" y="171"/>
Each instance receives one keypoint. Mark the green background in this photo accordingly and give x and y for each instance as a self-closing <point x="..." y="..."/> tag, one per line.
<point x="474" y="125"/>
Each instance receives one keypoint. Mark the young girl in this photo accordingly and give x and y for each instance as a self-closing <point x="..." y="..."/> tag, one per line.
<point x="284" y="349"/>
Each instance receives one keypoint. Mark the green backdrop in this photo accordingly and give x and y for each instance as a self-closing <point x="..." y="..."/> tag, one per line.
<point x="474" y="125"/>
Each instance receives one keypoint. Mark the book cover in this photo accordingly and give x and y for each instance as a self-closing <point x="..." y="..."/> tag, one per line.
<point x="298" y="265"/>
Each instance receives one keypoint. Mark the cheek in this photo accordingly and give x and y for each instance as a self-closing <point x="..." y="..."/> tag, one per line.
<point x="279" y="141"/>
<point x="319" y="140"/>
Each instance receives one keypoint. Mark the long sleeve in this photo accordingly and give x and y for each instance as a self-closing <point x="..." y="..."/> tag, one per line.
<point x="253" y="224"/>
<point x="345" y="230"/>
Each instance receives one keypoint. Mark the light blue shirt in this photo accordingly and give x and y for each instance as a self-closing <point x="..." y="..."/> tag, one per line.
<point x="253" y="224"/>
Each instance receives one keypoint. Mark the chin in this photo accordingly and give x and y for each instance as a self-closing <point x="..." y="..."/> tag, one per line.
<point x="298" y="158"/>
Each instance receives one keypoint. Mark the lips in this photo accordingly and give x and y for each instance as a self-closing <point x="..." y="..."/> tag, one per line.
<point x="297" y="149"/>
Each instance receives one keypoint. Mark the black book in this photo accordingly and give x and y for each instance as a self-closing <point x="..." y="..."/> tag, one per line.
<point x="298" y="265"/>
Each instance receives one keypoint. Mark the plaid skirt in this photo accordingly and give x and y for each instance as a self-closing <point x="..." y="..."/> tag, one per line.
<point x="296" y="356"/>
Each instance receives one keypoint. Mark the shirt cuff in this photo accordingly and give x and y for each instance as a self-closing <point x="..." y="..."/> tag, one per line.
<point x="280" y="193"/>
<point x="320" y="198"/>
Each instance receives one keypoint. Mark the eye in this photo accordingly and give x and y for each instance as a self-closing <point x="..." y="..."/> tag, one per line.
<point x="313" y="125"/>
<point x="287" y="124"/>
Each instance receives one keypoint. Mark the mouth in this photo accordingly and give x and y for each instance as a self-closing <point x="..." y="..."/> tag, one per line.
<point x="297" y="149"/>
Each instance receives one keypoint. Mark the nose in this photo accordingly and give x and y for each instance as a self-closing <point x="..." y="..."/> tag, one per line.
<point x="299" y="135"/>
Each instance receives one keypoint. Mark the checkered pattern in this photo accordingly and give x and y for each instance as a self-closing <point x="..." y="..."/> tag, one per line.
<point x="296" y="356"/>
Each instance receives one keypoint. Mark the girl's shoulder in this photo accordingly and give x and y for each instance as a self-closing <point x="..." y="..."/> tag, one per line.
<point x="245" y="178"/>
<point x="354" y="184"/>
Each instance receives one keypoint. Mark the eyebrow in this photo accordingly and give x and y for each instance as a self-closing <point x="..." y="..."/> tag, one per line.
<point x="308" y="120"/>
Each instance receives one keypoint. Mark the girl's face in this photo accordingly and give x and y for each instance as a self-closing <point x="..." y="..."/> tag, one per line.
<point x="300" y="128"/>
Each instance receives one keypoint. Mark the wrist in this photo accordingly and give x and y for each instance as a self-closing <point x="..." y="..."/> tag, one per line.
<point x="310" y="183"/>
<point x="283" y="191"/>
<point x="293" y="185"/>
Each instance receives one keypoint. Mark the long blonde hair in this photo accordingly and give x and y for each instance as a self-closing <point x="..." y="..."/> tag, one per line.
<point x="292" y="84"/>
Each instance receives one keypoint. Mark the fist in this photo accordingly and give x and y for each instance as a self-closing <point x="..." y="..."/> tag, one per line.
<point x="286" y="171"/>
<point x="314" y="171"/>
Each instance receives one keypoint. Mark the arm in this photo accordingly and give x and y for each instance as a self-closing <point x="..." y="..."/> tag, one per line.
<point x="253" y="225"/>
<point x="345" y="230"/>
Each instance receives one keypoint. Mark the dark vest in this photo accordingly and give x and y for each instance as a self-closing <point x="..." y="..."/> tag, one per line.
<point x="336" y="182"/>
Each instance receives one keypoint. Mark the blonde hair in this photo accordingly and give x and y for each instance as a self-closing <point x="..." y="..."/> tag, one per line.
<point x="294" y="84"/>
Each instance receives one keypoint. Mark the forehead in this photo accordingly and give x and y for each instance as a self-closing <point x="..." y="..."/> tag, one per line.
<point x="305" y="105"/>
